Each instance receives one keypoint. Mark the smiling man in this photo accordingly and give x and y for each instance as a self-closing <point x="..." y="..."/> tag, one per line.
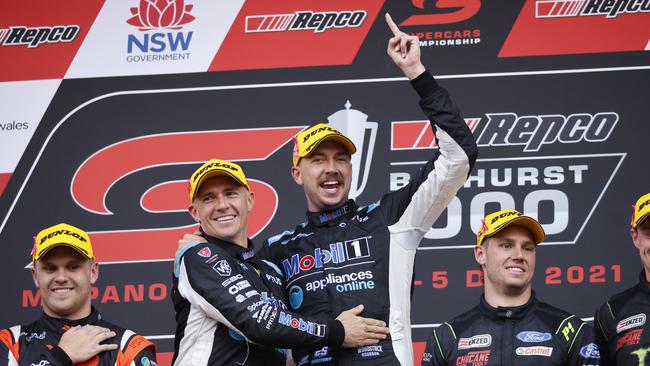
<point x="70" y="330"/>
<point x="510" y="326"/>
<point x="622" y="328"/>
<point x="345" y="254"/>
<point x="230" y="304"/>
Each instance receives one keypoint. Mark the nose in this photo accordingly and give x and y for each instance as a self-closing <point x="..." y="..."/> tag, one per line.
<point x="518" y="252"/>
<point x="221" y="203"/>
<point x="331" y="166"/>
<point x="61" y="275"/>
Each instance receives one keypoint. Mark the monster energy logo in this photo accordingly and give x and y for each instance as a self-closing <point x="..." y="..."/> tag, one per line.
<point x="641" y="353"/>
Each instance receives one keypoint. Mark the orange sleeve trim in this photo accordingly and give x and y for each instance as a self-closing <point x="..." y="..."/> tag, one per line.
<point x="136" y="344"/>
<point x="8" y="339"/>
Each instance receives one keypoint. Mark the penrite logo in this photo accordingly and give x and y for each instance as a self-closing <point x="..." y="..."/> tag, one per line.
<point x="556" y="27"/>
<point x="33" y="37"/>
<point x="572" y="8"/>
<point x="159" y="14"/>
<point x="462" y="10"/>
<point x="305" y="20"/>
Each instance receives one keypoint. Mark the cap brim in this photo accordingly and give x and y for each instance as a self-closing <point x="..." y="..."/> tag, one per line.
<point x="530" y="224"/>
<point x="76" y="248"/>
<point x="214" y="173"/>
<point x="641" y="219"/>
<point x="346" y="142"/>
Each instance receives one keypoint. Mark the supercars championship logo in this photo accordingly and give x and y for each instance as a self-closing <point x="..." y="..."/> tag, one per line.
<point x="443" y="13"/>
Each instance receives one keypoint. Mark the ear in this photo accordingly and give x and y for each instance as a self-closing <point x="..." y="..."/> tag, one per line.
<point x="34" y="274"/>
<point x="194" y="212"/>
<point x="479" y="254"/>
<point x="634" y="233"/>
<point x="250" y="201"/>
<point x="296" y="175"/>
<point x="94" y="272"/>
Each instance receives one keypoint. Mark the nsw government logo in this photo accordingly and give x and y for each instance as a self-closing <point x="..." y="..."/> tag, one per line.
<point x="161" y="37"/>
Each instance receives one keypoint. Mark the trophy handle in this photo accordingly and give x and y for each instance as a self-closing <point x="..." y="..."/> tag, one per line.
<point x="373" y="126"/>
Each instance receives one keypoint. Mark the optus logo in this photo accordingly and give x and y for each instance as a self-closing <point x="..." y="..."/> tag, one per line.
<point x="154" y="14"/>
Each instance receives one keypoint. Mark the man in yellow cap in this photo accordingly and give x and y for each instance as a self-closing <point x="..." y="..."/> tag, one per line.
<point x="230" y="304"/>
<point x="622" y="327"/>
<point x="345" y="255"/>
<point x="71" y="330"/>
<point x="510" y="326"/>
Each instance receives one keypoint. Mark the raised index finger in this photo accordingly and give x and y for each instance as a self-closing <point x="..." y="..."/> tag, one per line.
<point x="391" y="24"/>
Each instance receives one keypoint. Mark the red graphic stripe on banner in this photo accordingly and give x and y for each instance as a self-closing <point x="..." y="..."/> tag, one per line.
<point x="4" y="180"/>
<point x="324" y="33"/>
<point x="418" y="351"/>
<point x="558" y="30"/>
<point x="96" y="175"/>
<point x="427" y="138"/>
<point x="418" y="134"/>
<point x="137" y="245"/>
<point x="42" y="37"/>
<point x="405" y="134"/>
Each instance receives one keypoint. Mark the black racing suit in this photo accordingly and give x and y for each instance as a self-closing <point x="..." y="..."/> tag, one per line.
<point x="230" y="306"/>
<point x="364" y="255"/>
<point x="535" y="334"/>
<point x="621" y="326"/>
<point x="37" y="344"/>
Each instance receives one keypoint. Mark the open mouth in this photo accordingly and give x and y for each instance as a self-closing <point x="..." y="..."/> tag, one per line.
<point x="226" y="218"/>
<point x="515" y="269"/>
<point x="62" y="290"/>
<point x="330" y="186"/>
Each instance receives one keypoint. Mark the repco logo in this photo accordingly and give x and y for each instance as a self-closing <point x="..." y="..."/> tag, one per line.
<point x="569" y="8"/>
<point x="62" y="232"/>
<point x="533" y="132"/>
<point x="35" y="36"/>
<point x="305" y="20"/>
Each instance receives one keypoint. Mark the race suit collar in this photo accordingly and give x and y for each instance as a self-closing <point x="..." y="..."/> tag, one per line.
<point x="644" y="285"/>
<point x="507" y="312"/>
<point x="323" y="218"/>
<point x="60" y="325"/>
<point x="232" y="249"/>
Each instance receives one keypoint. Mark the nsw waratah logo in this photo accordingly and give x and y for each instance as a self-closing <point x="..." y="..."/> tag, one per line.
<point x="156" y="14"/>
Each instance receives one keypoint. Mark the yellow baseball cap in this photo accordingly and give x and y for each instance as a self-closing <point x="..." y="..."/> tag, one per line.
<point x="641" y="210"/>
<point x="214" y="167"/>
<point x="497" y="221"/>
<point x="307" y="140"/>
<point x="62" y="234"/>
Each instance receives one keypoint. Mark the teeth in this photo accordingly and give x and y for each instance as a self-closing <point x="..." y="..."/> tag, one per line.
<point x="62" y="290"/>
<point x="330" y="182"/>
<point x="516" y="269"/>
<point x="225" y="218"/>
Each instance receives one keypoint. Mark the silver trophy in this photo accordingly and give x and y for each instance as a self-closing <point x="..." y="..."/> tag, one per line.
<point x="355" y="125"/>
